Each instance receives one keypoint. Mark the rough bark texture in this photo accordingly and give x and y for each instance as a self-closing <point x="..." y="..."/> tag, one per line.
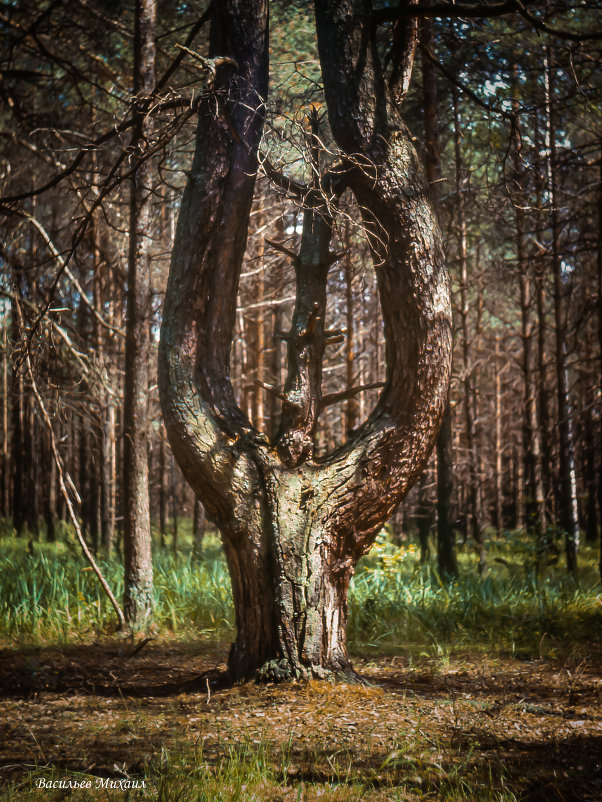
<point x="137" y="535"/>
<point x="293" y="527"/>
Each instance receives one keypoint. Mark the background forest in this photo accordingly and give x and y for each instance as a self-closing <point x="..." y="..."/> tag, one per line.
<point x="516" y="158"/>
<point x="497" y="546"/>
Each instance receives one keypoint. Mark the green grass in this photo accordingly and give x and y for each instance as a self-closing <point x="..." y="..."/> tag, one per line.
<point x="52" y="595"/>
<point x="49" y="594"/>
<point x="395" y="600"/>
<point x="256" y="772"/>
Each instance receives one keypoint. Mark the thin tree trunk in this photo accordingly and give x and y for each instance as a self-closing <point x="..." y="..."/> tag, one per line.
<point x="568" y="482"/>
<point x="499" y="493"/>
<point x="446" y="546"/>
<point x="260" y="416"/>
<point x="424" y="516"/>
<point x="589" y="454"/>
<point x="351" y="405"/>
<point x="198" y="527"/>
<point x="174" y="509"/>
<point x="17" y="417"/>
<point x="51" y="497"/>
<point x="4" y="446"/>
<point x="600" y="346"/>
<point x="137" y="531"/>
<point x="534" y="492"/>
<point x="162" y="491"/>
<point x="469" y="417"/>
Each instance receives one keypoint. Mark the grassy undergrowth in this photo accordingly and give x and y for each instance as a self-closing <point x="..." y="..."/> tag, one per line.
<point x="256" y="774"/>
<point x="48" y="593"/>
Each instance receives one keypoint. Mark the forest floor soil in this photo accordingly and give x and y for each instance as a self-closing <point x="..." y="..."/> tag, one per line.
<point x="423" y="727"/>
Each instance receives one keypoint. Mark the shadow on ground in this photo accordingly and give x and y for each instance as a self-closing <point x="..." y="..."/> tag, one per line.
<point x="422" y="729"/>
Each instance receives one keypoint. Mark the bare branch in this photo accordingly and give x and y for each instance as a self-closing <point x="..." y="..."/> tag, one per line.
<point x="271" y="389"/>
<point x="344" y="395"/>
<point x="282" y="248"/>
<point x="478" y="10"/>
<point x="72" y="278"/>
<point x="294" y="188"/>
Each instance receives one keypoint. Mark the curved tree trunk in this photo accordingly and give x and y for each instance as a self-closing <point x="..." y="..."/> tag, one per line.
<point x="294" y="526"/>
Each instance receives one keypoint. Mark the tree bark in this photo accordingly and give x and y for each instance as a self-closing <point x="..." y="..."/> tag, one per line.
<point x="137" y="604"/>
<point x="294" y="526"/>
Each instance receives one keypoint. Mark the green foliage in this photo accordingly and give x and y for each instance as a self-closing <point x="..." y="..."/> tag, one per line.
<point x="51" y="594"/>
<point x="395" y="600"/>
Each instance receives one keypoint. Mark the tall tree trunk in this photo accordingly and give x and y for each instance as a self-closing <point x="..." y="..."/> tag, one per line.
<point x="543" y="401"/>
<point x="534" y="491"/>
<point x="4" y="446"/>
<point x="198" y="527"/>
<point x="173" y="492"/>
<point x="137" y="605"/>
<point x="589" y="473"/>
<point x="293" y="526"/>
<point x="446" y="540"/>
<point x="499" y="492"/>
<point x="568" y="483"/>
<point x="424" y="517"/>
<point x="351" y="405"/>
<point x="51" y="495"/>
<point x="17" y="414"/>
<point x="600" y="346"/>
<point x="162" y="492"/>
<point x="469" y="416"/>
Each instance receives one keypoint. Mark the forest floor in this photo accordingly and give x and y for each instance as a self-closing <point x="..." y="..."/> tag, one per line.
<point x="459" y="727"/>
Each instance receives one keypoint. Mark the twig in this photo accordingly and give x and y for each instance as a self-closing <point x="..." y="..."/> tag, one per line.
<point x="65" y="268"/>
<point x="138" y="648"/>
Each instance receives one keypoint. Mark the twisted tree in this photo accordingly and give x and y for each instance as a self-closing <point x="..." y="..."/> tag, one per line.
<point x="294" y="525"/>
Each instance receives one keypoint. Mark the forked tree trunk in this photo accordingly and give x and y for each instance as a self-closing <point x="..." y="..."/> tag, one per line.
<point x="294" y="526"/>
